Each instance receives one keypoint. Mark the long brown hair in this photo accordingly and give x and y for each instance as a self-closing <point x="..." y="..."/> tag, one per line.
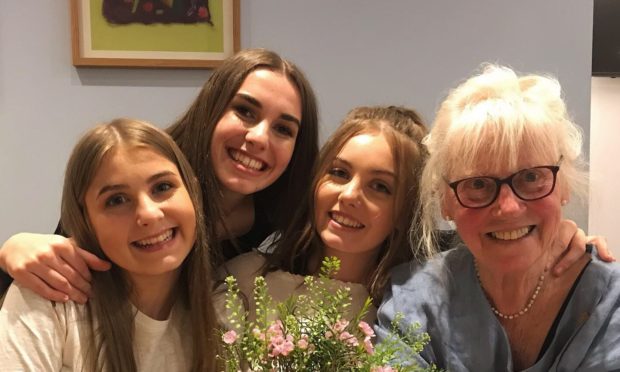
<point x="404" y="130"/>
<point x="193" y="133"/>
<point x="111" y="342"/>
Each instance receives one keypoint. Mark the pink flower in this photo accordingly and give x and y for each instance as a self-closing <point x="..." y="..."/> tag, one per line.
<point x="328" y="334"/>
<point x="340" y="325"/>
<point x="368" y="346"/>
<point x="230" y="337"/>
<point x="281" y="346"/>
<point x="275" y="329"/>
<point x="302" y="343"/>
<point x="348" y="338"/>
<point x="366" y="329"/>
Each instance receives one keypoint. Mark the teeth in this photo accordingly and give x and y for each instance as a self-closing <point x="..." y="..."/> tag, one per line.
<point x="246" y="161"/>
<point x="346" y="221"/>
<point x="158" y="239"/>
<point x="510" y="235"/>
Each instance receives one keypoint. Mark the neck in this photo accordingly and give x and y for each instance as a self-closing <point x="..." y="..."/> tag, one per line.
<point x="511" y="292"/>
<point x="355" y="267"/>
<point x="237" y="214"/>
<point x="232" y="201"/>
<point x="154" y="295"/>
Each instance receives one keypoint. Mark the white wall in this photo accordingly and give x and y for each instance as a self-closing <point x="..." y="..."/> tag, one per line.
<point x="353" y="51"/>
<point x="605" y="165"/>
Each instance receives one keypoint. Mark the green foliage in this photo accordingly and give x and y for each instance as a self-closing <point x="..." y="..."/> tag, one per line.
<point x="308" y="332"/>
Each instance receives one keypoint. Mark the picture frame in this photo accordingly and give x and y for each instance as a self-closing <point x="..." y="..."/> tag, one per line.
<point x="131" y="41"/>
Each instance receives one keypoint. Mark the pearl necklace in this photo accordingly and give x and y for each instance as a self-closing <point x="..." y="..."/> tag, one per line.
<point x="527" y="307"/>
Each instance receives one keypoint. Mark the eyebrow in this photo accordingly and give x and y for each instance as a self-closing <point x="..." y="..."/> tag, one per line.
<point x="121" y="186"/>
<point x="254" y="102"/>
<point x="373" y="171"/>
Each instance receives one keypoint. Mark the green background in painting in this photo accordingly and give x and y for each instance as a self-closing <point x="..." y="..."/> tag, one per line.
<point x="172" y="37"/>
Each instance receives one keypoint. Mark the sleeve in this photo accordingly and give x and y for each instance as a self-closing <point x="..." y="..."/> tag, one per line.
<point x="32" y="331"/>
<point x="393" y="335"/>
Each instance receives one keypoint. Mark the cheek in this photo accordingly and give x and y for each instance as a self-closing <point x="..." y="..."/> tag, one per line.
<point x="284" y="151"/>
<point x="189" y="217"/>
<point x="383" y="215"/>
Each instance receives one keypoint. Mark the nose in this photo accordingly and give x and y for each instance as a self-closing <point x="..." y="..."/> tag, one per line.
<point x="351" y="193"/>
<point x="148" y="211"/>
<point x="507" y="202"/>
<point x="258" y="135"/>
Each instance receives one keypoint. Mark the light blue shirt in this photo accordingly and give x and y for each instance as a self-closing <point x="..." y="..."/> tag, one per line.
<point x="445" y="297"/>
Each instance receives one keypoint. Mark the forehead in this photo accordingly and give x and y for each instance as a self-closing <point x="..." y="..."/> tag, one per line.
<point x="499" y="165"/>
<point x="273" y="87"/>
<point x="131" y="162"/>
<point x="371" y="149"/>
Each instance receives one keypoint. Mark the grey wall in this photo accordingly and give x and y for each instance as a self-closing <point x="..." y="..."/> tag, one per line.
<point x="354" y="52"/>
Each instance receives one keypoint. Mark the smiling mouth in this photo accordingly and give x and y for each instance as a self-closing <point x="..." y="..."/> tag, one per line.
<point x="159" y="239"/>
<point x="246" y="161"/>
<point x="345" y="221"/>
<point x="512" y="234"/>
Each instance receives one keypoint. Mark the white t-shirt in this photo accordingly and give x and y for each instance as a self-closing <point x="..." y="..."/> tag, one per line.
<point x="40" y="335"/>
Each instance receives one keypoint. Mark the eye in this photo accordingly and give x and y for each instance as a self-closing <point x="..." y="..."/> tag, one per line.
<point x="162" y="187"/>
<point x="339" y="173"/>
<point x="381" y="187"/>
<point x="285" y="130"/>
<point x="116" y="200"/>
<point x="531" y="175"/>
<point x="244" y="112"/>
<point x="478" y="183"/>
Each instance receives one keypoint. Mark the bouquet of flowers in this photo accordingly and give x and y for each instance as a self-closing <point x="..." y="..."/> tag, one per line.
<point x="309" y="332"/>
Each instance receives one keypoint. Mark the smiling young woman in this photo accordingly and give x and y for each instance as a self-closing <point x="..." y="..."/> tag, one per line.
<point x="131" y="198"/>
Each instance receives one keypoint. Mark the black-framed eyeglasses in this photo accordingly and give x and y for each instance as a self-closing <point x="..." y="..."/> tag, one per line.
<point x="527" y="184"/>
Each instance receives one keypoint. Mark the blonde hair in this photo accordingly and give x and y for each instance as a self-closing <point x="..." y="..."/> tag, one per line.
<point x="493" y="118"/>
<point x="109" y="311"/>
<point x="404" y="130"/>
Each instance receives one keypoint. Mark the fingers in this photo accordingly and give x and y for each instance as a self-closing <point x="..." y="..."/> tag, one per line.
<point x="38" y="286"/>
<point x="569" y="258"/>
<point x="57" y="281"/>
<point x="93" y="261"/>
<point x="572" y="242"/>
<point x="70" y="254"/>
<point x="602" y="249"/>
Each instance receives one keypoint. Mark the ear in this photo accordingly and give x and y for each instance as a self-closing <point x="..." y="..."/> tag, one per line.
<point x="446" y="210"/>
<point x="564" y="194"/>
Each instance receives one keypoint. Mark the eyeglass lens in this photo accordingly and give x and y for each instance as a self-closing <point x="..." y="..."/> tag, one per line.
<point x="527" y="184"/>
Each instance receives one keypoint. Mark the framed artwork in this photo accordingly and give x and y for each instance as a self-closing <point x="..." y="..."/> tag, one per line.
<point x="154" y="33"/>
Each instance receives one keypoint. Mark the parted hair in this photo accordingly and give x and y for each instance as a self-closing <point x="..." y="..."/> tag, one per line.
<point x="193" y="133"/>
<point x="110" y="315"/>
<point x="492" y="119"/>
<point x="300" y="245"/>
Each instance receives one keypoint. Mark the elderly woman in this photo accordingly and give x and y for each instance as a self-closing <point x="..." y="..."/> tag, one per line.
<point x="504" y="159"/>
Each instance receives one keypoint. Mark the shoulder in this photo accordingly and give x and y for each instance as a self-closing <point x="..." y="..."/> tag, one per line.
<point x="604" y="275"/>
<point x="437" y="271"/>
<point x="26" y="306"/>
<point x="246" y="264"/>
<point x="20" y="298"/>
<point x="37" y="328"/>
